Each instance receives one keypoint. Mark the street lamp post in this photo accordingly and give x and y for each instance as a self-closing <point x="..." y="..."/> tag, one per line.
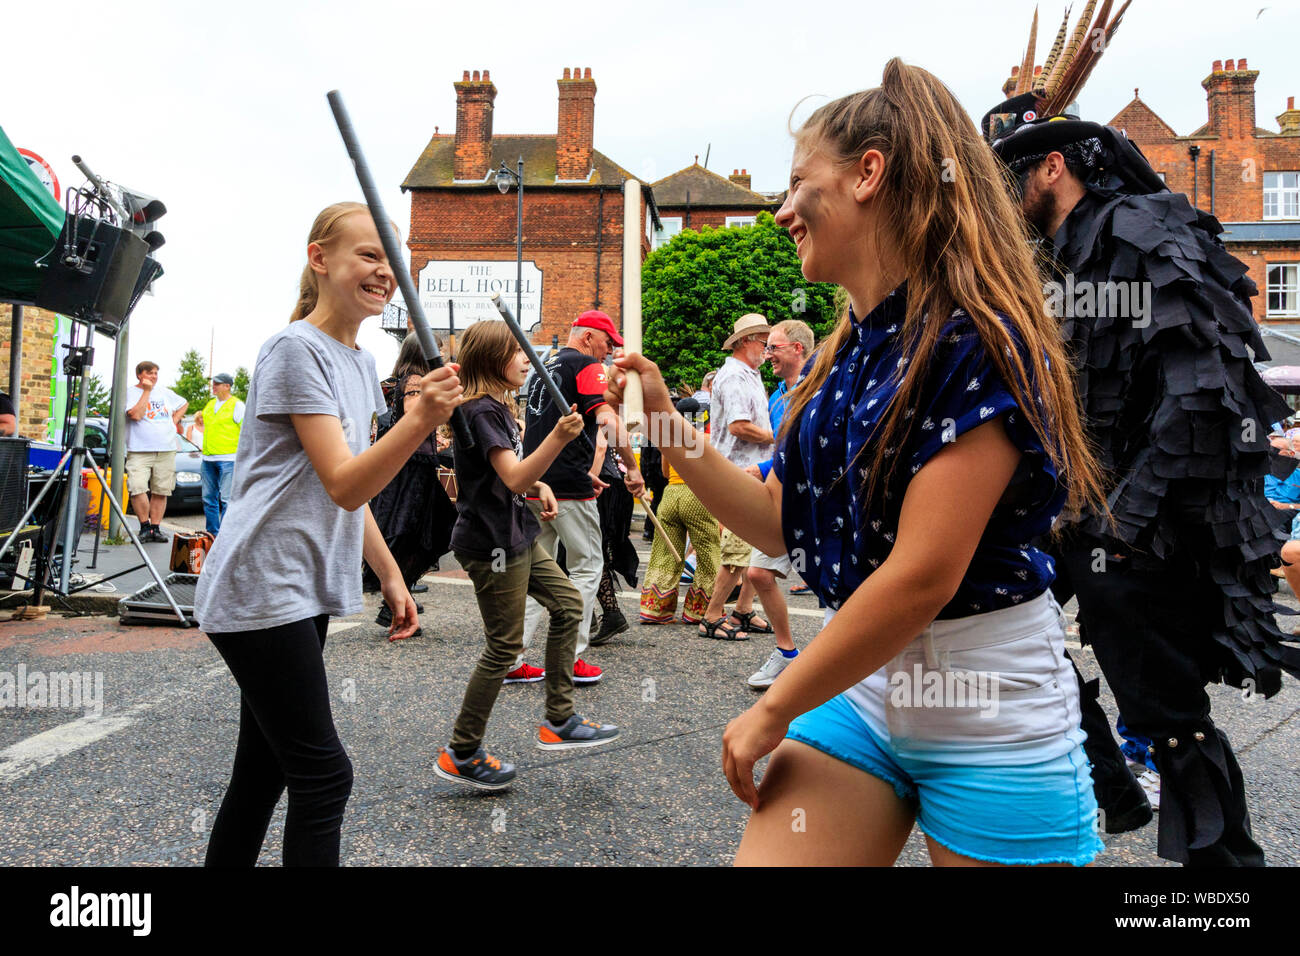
<point x="506" y="179"/>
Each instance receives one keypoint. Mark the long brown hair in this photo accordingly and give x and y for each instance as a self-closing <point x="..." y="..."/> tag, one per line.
<point x="323" y="231"/>
<point x="484" y="350"/>
<point x="961" y="243"/>
<point x="410" y="357"/>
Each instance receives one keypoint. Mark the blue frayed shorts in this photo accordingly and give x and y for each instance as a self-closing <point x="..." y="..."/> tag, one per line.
<point x="1012" y="786"/>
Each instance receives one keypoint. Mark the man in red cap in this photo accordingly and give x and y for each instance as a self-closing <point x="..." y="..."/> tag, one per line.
<point x="578" y="369"/>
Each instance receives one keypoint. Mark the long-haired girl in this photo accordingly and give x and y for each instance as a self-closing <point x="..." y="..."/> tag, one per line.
<point x="495" y="542"/>
<point x="290" y="550"/>
<point x="935" y="436"/>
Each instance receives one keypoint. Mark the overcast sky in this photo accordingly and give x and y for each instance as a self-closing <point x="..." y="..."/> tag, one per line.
<point x="219" y="109"/>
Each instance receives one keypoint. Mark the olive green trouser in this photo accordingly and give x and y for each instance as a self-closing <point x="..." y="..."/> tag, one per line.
<point x="500" y="587"/>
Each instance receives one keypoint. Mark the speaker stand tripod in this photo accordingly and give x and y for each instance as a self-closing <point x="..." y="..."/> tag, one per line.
<point x="75" y="457"/>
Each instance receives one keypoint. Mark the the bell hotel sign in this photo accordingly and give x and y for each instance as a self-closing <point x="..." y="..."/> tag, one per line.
<point x="470" y="285"/>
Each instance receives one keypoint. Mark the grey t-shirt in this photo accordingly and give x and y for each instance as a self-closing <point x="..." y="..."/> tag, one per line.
<point x="286" y="551"/>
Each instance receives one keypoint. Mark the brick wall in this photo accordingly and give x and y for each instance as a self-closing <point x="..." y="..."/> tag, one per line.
<point x="1257" y="257"/>
<point x="33" y="401"/>
<point x="560" y="234"/>
<point x="1230" y="182"/>
<point x="697" y="218"/>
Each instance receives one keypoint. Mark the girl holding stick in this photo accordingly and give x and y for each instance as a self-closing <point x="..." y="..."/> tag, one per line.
<point x="495" y="541"/>
<point x="289" y="554"/>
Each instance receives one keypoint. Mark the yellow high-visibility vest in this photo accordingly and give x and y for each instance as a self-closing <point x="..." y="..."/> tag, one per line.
<point x="220" y="431"/>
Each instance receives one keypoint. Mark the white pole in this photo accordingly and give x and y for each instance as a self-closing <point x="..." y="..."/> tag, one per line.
<point x="633" y="406"/>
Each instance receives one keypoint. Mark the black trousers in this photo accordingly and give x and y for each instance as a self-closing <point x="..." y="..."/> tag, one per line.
<point x="287" y="740"/>
<point x="1147" y="624"/>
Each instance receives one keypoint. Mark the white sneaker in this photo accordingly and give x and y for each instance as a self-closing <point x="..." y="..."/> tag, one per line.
<point x="1150" y="781"/>
<point x="770" y="670"/>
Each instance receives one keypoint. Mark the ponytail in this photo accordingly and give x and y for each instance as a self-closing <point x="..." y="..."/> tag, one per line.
<point x="306" y="295"/>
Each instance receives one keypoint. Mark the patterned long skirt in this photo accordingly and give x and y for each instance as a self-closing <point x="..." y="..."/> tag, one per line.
<point x="681" y="514"/>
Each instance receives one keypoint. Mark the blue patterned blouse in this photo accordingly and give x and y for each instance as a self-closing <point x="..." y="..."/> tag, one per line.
<point x="826" y="521"/>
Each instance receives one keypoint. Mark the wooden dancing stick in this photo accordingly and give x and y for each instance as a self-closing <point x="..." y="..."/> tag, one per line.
<point x="660" y="530"/>
<point x="633" y="398"/>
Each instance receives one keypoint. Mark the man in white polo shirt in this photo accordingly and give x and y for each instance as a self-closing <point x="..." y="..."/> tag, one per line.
<point x="153" y="415"/>
<point x="742" y="432"/>
<point x="221" y="420"/>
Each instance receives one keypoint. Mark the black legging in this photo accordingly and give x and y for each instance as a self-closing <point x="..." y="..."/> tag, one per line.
<point x="287" y="740"/>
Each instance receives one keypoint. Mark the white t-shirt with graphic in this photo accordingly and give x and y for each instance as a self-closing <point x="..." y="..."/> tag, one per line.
<point x="156" y="431"/>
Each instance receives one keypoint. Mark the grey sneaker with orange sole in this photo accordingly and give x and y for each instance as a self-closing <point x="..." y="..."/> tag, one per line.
<point x="482" y="770"/>
<point x="574" y="732"/>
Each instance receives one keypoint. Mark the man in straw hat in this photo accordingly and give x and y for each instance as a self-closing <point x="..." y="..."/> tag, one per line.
<point x="742" y="432"/>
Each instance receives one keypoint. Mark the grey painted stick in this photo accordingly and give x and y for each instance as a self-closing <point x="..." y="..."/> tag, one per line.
<point x="558" y="398"/>
<point x="393" y="249"/>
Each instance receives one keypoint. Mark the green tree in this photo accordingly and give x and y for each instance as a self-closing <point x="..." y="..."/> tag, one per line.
<point x="99" y="400"/>
<point x="193" y="385"/>
<point x="242" y="381"/>
<point x="694" y="288"/>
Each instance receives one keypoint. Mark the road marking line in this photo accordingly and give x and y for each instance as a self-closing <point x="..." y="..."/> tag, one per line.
<point x="41" y="750"/>
<point x="336" y="626"/>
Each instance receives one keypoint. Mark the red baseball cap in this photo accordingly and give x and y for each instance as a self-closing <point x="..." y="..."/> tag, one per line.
<point x="595" y="319"/>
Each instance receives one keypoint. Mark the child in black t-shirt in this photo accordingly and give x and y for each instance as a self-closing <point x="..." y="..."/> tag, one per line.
<point x="495" y="542"/>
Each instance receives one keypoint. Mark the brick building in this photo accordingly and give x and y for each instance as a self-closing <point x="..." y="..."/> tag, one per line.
<point x="1247" y="176"/>
<point x="33" y="401"/>
<point x="462" y="236"/>
<point x="695" y="197"/>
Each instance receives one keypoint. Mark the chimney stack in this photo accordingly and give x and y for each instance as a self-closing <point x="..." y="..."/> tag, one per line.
<point x="1011" y="82"/>
<point x="1289" y="120"/>
<point x="740" y="177"/>
<point x="576" y="127"/>
<point x="474" y="98"/>
<point x="1230" y="95"/>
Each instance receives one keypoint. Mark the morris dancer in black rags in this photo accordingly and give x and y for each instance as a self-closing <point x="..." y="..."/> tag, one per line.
<point x="1175" y="592"/>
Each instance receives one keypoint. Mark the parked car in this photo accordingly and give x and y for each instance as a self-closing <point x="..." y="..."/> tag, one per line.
<point x="188" y="495"/>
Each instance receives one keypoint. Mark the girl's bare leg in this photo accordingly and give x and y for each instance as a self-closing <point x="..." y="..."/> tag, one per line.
<point x="815" y="810"/>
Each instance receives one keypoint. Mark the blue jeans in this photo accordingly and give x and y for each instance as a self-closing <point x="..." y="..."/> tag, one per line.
<point x="218" y="476"/>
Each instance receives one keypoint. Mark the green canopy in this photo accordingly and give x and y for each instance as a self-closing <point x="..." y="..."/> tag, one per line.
<point x="30" y="222"/>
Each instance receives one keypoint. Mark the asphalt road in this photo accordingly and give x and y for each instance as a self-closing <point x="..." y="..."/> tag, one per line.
<point x="141" y="783"/>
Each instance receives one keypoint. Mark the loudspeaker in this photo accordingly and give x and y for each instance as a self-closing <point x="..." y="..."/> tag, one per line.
<point x="94" y="271"/>
<point x="148" y="272"/>
<point x="13" y="481"/>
